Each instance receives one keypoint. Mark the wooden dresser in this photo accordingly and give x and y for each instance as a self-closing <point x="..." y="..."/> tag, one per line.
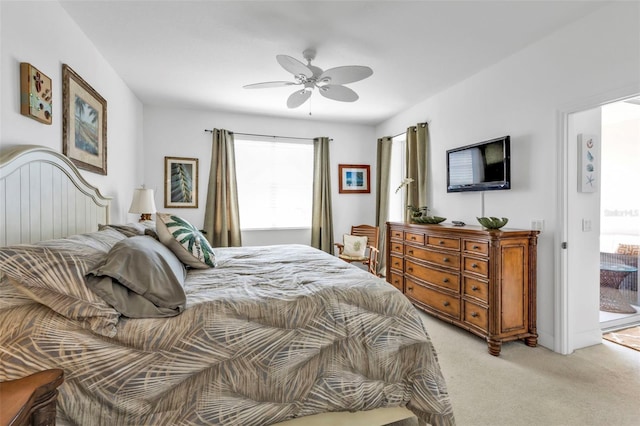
<point x="483" y="281"/>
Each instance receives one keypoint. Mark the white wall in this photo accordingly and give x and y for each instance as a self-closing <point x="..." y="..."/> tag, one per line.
<point x="42" y="34"/>
<point x="180" y="133"/>
<point x="522" y="97"/>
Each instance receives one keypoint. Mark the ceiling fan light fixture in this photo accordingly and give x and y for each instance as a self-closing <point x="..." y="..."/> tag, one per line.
<point x="329" y="82"/>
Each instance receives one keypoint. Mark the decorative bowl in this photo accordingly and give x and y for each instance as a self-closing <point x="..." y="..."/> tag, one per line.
<point x="492" y="222"/>
<point x="429" y="219"/>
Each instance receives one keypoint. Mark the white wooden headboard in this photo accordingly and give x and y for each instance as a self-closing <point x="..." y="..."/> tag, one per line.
<point x="43" y="196"/>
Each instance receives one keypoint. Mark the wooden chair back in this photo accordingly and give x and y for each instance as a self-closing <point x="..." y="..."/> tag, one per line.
<point x="371" y="232"/>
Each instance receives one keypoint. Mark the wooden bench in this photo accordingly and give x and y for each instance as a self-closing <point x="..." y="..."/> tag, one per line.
<point x="30" y="400"/>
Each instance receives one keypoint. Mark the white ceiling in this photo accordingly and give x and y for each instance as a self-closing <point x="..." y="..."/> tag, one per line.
<point x="199" y="54"/>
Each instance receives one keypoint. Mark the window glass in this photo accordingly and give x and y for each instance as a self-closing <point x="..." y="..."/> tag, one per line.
<point x="397" y="203"/>
<point x="275" y="183"/>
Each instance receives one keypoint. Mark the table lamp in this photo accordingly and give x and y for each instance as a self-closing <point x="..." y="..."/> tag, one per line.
<point x="143" y="203"/>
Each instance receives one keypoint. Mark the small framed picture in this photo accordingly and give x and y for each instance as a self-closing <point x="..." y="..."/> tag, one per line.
<point x="354" y="179"/>
<point x="84" y="123"/>
<point x="35" y="94"/>
<point x="180" y="182"/>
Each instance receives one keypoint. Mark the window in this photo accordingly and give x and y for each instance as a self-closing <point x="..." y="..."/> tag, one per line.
<point x="397" y="172"/>
<point x="275" y="183"/>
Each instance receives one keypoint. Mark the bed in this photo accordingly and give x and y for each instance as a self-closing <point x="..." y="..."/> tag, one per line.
<point x="267" y="335"/>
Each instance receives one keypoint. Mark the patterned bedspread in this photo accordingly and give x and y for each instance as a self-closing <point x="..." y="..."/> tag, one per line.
<point x="270" y="334"/>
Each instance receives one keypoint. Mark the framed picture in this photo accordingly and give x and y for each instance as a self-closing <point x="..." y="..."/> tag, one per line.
<point x="354" y="179"/>
<point x="588" y="163"/>
<point x="84" y="123"/>
<point x="180" y="182"/>
<point x="35" y="94"/>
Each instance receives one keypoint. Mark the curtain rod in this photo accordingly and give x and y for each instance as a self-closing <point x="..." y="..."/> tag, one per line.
<point x="265" y="136"/>
<point x="402" y="133"/>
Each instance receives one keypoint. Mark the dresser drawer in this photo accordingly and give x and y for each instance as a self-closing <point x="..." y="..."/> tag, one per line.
<point x="476" y="266"/>
<point x="447" y="260"/>
<point x="443" y="242"/>
<point x="396" y="280"/>
<point x="396" y="247"/>
<point x="476" y="289"/>
<point x="444" y="303"/>
<point x="476" y="315"/>
<point x="396" y="262"/>
<point x="437" y="277"/>
<point x="476" y="247"/>
<point x="397" y="233"/>
<point x="414" y="238"/>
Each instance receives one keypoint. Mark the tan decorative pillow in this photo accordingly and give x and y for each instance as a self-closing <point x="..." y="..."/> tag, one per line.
<point x="630" y="249"/>
<point x="185" y="241"/>
<point x="354" y="246"/>
<point x="144" y="279"/>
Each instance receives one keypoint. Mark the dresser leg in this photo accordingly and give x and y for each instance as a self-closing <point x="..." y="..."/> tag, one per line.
<point x="531" y="341"/>
<point x="494" y="347"/>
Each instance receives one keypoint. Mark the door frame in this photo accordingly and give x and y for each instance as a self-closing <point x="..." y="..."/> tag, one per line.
<point x="564" y="338"/>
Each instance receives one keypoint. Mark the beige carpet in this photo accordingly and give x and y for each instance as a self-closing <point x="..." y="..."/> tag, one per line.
<point x="524" y="386"/>
<point x="629" y="337"/>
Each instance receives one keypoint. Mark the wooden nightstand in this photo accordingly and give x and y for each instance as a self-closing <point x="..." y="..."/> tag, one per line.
<point x="30" y="400"/>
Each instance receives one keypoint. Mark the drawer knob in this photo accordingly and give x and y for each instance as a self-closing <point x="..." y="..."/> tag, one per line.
<point x="474" y="265"/>
<point x="445" y="259"/>
<point x="410" y="269"/>
<point x="410" y="251"/>
<point x="441" y="242"/>
<point x="474" y="288"/>
<point x="445" y="280"/>
<point x="446" y="303"/>
<point x="409" y="288"/>
<point x="413" y="238"/>
<point x="475" y="247"/>
<point x="474" y="314"/>
<point x="396" y="281"/>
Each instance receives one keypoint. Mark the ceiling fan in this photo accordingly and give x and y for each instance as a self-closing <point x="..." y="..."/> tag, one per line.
<point x="329" y="83"/>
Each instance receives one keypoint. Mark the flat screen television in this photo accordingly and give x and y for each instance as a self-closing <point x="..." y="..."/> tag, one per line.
<point x="484" y="166"/>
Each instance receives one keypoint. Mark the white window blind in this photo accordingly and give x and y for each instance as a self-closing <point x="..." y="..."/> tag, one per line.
<point x="275" y="183"/>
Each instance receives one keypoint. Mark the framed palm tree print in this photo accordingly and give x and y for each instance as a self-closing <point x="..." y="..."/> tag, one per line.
<point x="180" y="182"/>
<point x="84" y="123"/>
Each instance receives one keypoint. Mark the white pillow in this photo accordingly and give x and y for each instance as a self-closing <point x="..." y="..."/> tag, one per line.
<point x="354" y="246"/>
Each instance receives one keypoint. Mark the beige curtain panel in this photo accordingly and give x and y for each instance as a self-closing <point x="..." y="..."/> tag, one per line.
<point x="383" y="166"/>
<point x="222" y="214"/>
<point x="417" y="151"/>
<point x="321" y="217"/>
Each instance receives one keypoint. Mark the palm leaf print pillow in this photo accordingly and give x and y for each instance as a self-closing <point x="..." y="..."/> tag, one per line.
<point x="185" y="241"/>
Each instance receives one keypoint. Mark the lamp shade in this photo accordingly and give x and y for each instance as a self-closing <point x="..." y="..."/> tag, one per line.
<point x="143" y="203"/>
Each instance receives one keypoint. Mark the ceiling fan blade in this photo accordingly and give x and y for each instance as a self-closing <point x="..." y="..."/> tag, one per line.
<point x="294" y="66"/>
<point x="338" y="93"/>
<point x="269" y="84"/>
<point x="346" y="74"/>
<point x="298" y="97"/>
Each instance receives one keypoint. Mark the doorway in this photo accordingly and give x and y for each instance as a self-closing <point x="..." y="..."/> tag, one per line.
<point x="620" y="215"/>
<point x="578" y="290"/>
